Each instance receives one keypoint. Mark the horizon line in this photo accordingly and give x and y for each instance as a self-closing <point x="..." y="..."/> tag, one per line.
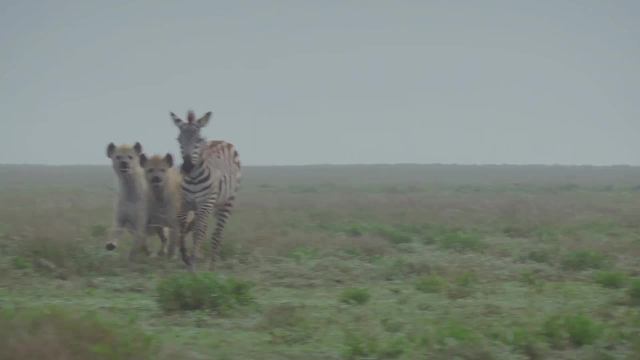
<point x="365" y="164"/>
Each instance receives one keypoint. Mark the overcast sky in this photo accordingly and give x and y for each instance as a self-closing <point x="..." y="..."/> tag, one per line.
<point x="305" y="82"/>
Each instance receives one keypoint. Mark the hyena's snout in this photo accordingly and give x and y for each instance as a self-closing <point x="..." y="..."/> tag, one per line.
<point x="110" y="246"/>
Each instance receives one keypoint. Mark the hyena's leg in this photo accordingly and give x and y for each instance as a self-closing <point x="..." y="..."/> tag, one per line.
<point x="174" y="235"/>
<point x="163" y="240"/>
<point x="115" y="235"/>
<point x="222" y="214"/>
<point x="139" y="241"/>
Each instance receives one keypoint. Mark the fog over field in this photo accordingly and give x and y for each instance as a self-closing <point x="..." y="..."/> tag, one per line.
<point x="328" y="82"/>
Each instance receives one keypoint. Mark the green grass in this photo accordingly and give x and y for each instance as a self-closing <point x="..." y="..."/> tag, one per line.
<point x="584" y="260"/>
<point x="59" y="333"/>
<point x="431" y="284"/>
<point x="370" y="262"/>
<point x="461" y="241"/>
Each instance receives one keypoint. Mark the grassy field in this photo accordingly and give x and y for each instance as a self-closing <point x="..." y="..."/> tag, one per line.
<point x="335" y="262"/>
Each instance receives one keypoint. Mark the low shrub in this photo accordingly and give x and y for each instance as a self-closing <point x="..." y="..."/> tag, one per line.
<point x="584" y="260"/>
<point x="634" y="292"/>
<point x="577" y="329"/>
<point x="355" y="296"/>
<point x="582" y="330"/>
<point x="20" y="263"/>
<point x="612" y="280"/>
<point x="204" y="291"/>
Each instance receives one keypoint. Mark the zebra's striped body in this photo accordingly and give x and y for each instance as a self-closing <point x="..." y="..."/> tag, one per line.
<point x="211" y="177"/>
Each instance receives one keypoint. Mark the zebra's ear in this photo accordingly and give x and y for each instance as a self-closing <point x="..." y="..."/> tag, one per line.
<point x="110" y="149"/>
<point x="176" y="120"/>
<point x="204" y="120"/>
<point x="169" y="160"/>
<point x="143" y="160"/>
<point x="138" y="148"/>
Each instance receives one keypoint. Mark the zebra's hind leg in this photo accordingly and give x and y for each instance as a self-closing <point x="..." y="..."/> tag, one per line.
<point x="222" y="214"/>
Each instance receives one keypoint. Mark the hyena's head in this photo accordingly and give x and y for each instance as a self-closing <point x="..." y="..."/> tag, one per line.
<point x="124" y="158"/>
<point x="156" y="169"/>
<point x="190" y="139"/>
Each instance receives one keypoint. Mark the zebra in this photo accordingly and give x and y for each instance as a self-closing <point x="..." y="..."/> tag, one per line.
<point x="211" y="177"/>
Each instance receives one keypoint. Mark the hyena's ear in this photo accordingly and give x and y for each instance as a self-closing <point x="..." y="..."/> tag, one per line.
<point x="138" y="148"/>
<point x="169" y="160"/>
<point x="143" y="160"/>
<point x="111" y="148"/>
<point x="176" y="120"/>
<point x="204" y="120"/>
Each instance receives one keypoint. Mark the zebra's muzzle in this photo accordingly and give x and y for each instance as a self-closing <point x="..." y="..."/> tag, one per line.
<point x="187" y="165"/>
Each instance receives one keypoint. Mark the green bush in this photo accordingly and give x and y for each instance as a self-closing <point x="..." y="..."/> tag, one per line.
<point x="202" y="291"/>
<point x="56" y="333"/>
<point x="584" y="260"/>
<point x="358" y="346"/>
<point x="355" y="296"/>
<point x="431" y="284"/>
<point x="577" y="329"/>
<point x="582" y="330"/>
<point x="634" y="292"/>
<point x="612" y="280"/>
<point x="20" y="263"/>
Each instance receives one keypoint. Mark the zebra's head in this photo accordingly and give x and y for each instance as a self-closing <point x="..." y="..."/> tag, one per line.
<point x="156" y="169"/>
<point x="190" y="140"/>
<point x="124" y="158"/>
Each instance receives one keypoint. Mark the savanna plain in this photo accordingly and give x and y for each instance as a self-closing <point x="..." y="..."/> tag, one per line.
<point x="334" y="262"/>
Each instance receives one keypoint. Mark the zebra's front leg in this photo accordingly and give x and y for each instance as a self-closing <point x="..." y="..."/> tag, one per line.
<point x="222" y="214"/>
<point x="200" y="228"/>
